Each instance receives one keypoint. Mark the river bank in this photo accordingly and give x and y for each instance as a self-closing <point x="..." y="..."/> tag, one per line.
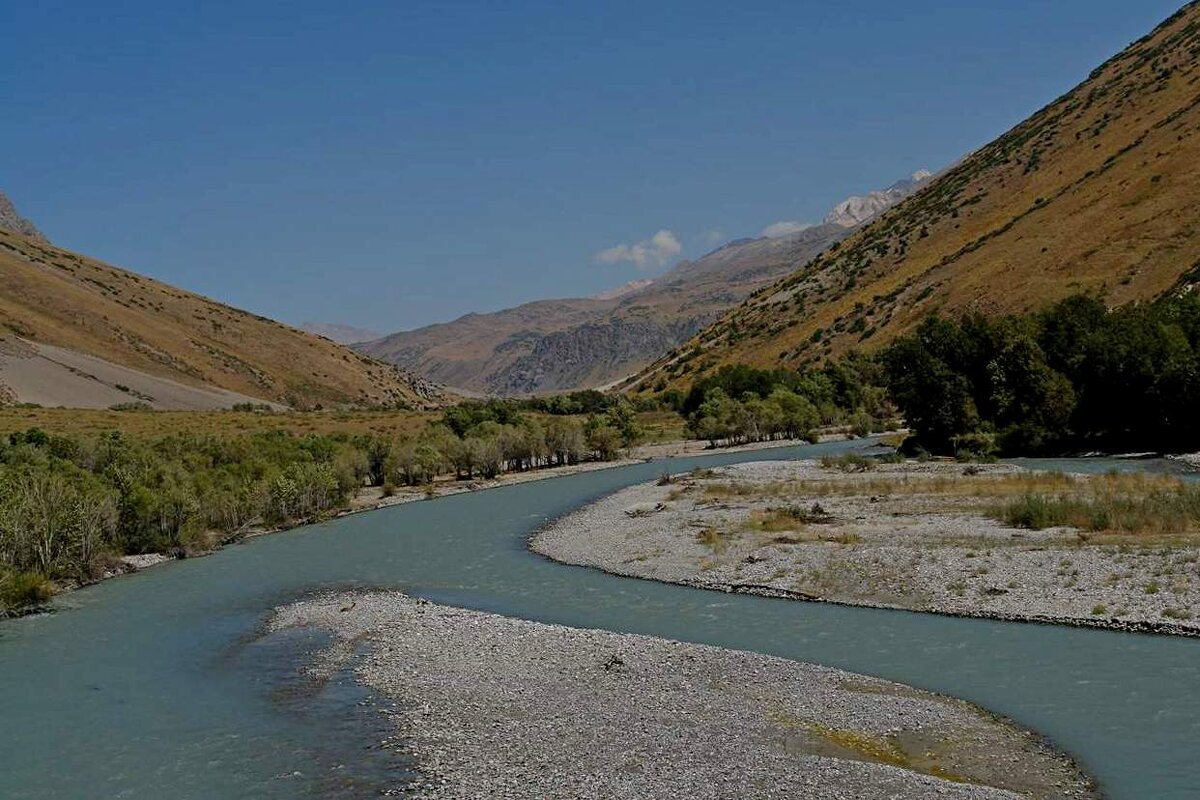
<point x="491" y="706"/>
<point x="373" y="499"/>
<point x="908" y="536"/>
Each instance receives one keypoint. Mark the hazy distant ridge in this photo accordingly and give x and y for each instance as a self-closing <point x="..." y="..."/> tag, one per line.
<point x="555" y="345"/>
<point x="342" y="334"/>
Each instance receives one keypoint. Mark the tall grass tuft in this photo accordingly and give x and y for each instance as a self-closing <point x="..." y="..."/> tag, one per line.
<point x="1111" y="505"/>
<point x="1034" y="512"/>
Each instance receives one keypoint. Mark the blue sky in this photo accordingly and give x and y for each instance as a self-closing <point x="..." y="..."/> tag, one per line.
<point x="394" y="163"/>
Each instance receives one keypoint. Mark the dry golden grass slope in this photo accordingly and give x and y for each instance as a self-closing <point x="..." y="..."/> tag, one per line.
<point x="1098" y="192"/>
<point x="54" y="297"/>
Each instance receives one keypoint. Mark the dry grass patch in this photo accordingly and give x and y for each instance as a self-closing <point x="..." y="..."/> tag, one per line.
<point x="216" y="423"/>
<point x="789" y="518"/>
<point x="889" y="749"/>
<point x="1014" y="485"/>
<point x="661" y="426"/>
<point x="714" y="539"/>
<point x="849" y="462"/>
<point x="1138" y="505"/>
<point x="1103" y="510"/>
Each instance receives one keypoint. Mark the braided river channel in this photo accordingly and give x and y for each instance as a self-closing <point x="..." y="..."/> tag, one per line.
<point x="159" y="684"/>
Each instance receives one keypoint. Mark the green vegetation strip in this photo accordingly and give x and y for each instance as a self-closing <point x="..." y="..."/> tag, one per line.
<point x="72" y="504"/>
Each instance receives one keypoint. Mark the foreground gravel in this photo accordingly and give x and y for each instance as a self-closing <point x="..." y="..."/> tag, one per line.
<point x="493" y="707"/>
<point x="889" y="550"/>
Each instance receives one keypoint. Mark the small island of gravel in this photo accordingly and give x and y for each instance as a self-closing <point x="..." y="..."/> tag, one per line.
<point x="493" y="707"/>
<point x="930" y="536"/>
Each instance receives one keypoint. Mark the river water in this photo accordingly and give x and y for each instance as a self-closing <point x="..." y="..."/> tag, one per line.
<point x="157" y="685"/>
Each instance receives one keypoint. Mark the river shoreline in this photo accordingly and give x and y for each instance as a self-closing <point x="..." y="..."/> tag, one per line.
<point x="899" y="552"/>
<point x="491" y="706"/>
<point x="372" y="499"/>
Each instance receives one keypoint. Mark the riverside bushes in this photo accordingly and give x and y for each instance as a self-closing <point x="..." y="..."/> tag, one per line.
<point x="487" y="438"/>
<point x="70" y="505"/>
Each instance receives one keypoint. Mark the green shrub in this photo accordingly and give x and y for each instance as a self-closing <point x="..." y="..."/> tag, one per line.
<point x="23" y="589"/>
<point x="1034" y="512"/>
<point x="848" y="462"/>
<point x="137" y="405"/>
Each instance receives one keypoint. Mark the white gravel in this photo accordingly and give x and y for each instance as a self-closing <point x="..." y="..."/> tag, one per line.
<point x="896" y="551"/>
<point x="493" y="707"/>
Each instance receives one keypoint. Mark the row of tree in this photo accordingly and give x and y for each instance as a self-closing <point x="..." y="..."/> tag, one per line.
<point x="70" y="504"/>
<point x="1077" y="376"/>
<point x="739" y="404"/>
<point x="508" y="410"/>
<point x="488" y="447"/>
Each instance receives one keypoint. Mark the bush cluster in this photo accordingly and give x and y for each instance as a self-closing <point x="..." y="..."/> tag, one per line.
<point x="739" y="404"/>
<point x="69" y="505"/>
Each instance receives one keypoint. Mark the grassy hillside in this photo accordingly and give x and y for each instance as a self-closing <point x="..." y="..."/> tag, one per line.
<point x="1099" y="192"/>
<point x="55" y="297"/>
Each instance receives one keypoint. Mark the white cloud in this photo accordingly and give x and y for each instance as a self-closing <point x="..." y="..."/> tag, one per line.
<point x="656" y="251"/>
<point x="714" y="236"/>
<point x="784" y="228"/>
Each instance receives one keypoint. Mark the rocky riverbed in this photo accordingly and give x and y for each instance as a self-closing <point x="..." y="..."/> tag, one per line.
<point x="914" y="535"/>
<point x="494" y="707"/>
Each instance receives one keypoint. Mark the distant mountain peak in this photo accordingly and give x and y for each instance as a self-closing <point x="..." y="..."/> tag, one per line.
<point x="853" y="211"/>
<point x="856" y="210"/>
<point x="13" y="222"/>
<point x="577" y="343"/>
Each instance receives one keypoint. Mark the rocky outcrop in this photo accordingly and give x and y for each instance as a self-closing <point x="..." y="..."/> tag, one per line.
<point x="854" y="211"/>
<point x="589" y="354"/>
<point x="13" y="222"/>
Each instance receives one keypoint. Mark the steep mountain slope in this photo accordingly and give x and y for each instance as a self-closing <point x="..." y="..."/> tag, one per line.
<point x="1098" y="192"/>
<point x="553" y="345"/>
<point x="51" y="298"/>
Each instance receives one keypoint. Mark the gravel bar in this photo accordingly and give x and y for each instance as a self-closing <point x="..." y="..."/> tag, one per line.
<point x="494" y="707"/>
<point x="903" y="549"/>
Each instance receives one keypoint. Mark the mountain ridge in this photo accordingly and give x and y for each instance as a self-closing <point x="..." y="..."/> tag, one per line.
<point x="151" y="332"/>
<point x="1098" y="192"/>
<point x="856" y="210"/>
<point x="570" y="343"/>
